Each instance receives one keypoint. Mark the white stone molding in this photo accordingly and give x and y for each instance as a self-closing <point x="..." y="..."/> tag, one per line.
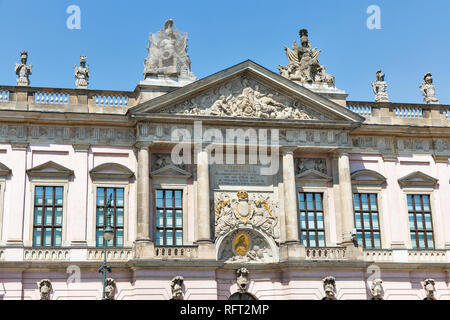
<point x="367" y="177"/>
<point x="111" y="171"/>
<point x="417" y="179"/>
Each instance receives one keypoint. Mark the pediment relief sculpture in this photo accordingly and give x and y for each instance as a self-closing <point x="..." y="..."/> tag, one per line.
<point x="311" y="169"/>
<point x="245" y="98"/>
<point x="163" y="166"/>
<point x="235" y="209"/>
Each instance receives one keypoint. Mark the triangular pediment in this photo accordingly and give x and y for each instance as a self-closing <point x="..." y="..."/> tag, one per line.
<point x="313" y="175"/>
<point x="366" y="176"/>
<point x="50" y="169"/>
<point x="417" y="179"/>
<point x="111" y="171"/>
<point x="171" y="171"/>
<point x="246" y="91"/>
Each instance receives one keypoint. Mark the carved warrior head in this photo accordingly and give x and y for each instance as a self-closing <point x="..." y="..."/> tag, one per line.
<point x="428" y="78"/>
<point x="45" y="287"/>
<point x="428" y="285"/>
<point x="82" y="61"/>
<point x="377" y="289"/>
<point x="304" y="37"/>
<point x="380" y="75"/>
<point x="23" y="56"/>
<point x="242" y="279"/>
<point x="329" y="286"/>
<point x="110" y="289"/>
<point x="176" y="285"/>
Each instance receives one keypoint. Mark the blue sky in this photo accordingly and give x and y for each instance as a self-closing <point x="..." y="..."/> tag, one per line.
<point x="414" y="39"/>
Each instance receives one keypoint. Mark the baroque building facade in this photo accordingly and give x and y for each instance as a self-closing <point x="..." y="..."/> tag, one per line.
<point x="245" y="184"/>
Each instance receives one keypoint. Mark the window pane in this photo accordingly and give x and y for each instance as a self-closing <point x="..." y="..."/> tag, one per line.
<point x="119" y="197"/>
<point x="159" y="237"/>
<point x="48" y="216"/>
<point x="37" y="236"/>
<point x="417" y="202"/>
<point x="159" y="218"/>
<point x="179" y="237"/>
<point x="413" y="240"/>
<point x="159" y="198"/>
<point x="428" y="225"/>
<point x="169" y="198"/>
<point x="311" y="220"/>
<point x="312" y="239"/>
<point x="365" y="202"/>
<point x="356" y="205"/>
<point x="421" y="240"/>
<point x="410" y="203"/>
<point x="179" y="218"/>
<point x="110" y="195"/>
<point x="178" y="198"/>
<point x="119" y="217"/>
<point x="318" y="197"/>
<point x="420" y="221"/>
<point x="411" y="221"/>
<point x="38" y="195"/>
<point x="169" y="237"/>
<point x="321" y="239"/>
<point x="100" y="196"/>
<point x="358" y="224"/>
<point x="48" y="195"/>
<point x="38" y="215"/>
<point x="119" y="237"/>
<point x="302" y="201"/>
<point x="99" y="217"/>
<point x="169" y="218"/>
<point x="375" y="225"/>
<point x="359" y="237"/>
<point x="304" y="239"/>
<point x="58" y="216"/>
<point x="59" y="196"/>
<point x="57" y="236"/>
<point x="373" y="202"/>
<point x="319" y="220"/>
<point x="303" y="220"/>
<point x="426" y="203"/>
<point x="99" y="237"/>
<point x="366" y="219"/>
<point x="47" y="236"/>
<point x="430" y="240"/>
<point x="309" y="201"/>
<point x="376" y="237"/>
<point x="368" y="242"/>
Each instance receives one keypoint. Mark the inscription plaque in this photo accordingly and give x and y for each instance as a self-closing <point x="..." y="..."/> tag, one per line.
<point x="239" y="175"/>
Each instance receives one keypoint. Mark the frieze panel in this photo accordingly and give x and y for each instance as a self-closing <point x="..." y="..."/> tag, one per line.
<point x="112" y="136"/>
<point x="245" y="98"/>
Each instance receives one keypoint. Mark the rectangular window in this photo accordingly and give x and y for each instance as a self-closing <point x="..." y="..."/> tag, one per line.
<point x="312" y="229"/>
<point x="48" y="215"/>
<point x="365" y="208"/>
<point x="169" y="217"/>
<point x="117" y="215"/>
<point x="420" y="223"/>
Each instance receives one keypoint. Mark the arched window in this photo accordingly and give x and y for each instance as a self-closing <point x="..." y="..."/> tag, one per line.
<point x="242" y="296"/>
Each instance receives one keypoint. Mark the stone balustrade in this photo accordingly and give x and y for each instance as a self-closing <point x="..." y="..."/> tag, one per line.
<point x="378" y="255"/>
<point x="427" y="256"/>
<point x="46" y="254"/>
<point x="112" y="254"/>
<point x="26" y="98"/>
<point x="330" y="253"/>
<point x="401" y="113"/>
<point x="185" y="252"/>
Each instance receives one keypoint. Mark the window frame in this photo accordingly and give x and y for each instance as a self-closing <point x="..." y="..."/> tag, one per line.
<point x="422" y="213"/>
<point x="47" y="183"/>
<point x="323" y="211"/>
<point x="363" y="230"/>
<point x="92" y="240"/>
<point x="174" y="228"/>
<point x="114" y="217"/>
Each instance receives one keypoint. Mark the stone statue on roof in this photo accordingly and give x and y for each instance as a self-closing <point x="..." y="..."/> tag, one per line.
<point x="167" y="54"/>
<point x="428" y="90"/>
<point x="380" y="88"/>
<point x="304" y="65"/>
<point x="23" y="70"/>
<point x="82" y="74"/>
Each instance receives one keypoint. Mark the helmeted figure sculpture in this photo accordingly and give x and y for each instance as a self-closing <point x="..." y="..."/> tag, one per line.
<point x="303" y="64"/>
<point x="23" y="70"/>
<point x="110" y="289"/>
<point x="428" y="285"/>
<point x="242" y="279"/>
<point x="329" y="286"/>
<point x="45" y="287"/>
<point x="82" y="74"/>
<point x="428" y="90"/>
<point x="380" y="88"/>
<point x="167" y="55"/>
<point x="176" y="286"/>
<point x="377" y="289"/>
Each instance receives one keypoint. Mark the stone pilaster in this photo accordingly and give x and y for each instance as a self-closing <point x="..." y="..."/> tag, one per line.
<point x="203" y="221"/>
<point x="293" y="247"/>
<point x="346" y="201"/>
<point x="143" y="247"/>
